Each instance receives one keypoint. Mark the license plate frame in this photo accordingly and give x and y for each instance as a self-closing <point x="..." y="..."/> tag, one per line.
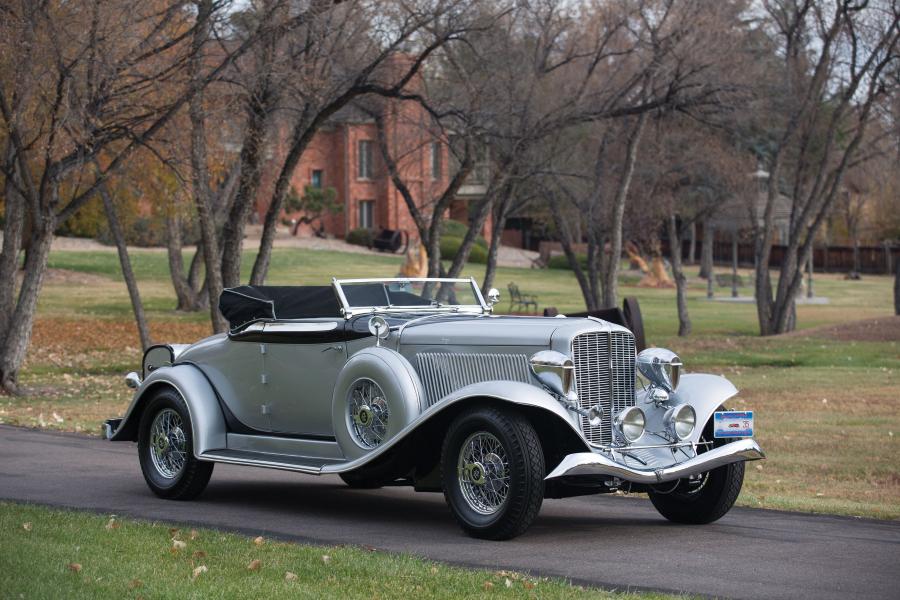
<point x="733" y="424"/>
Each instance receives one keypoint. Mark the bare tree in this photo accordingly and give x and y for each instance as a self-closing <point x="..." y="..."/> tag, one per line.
<point x="336" y="60"/>
<point x="667" y="61"/>
<point x="835" y="60"/>
<point x="76" y="83"/>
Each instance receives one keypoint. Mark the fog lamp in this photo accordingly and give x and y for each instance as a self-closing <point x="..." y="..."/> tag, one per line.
<point x="630" y="423"/>
<point x="680" y="421"/>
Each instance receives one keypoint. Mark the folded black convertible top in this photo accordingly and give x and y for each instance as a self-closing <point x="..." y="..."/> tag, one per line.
<point x="246" y="303"/>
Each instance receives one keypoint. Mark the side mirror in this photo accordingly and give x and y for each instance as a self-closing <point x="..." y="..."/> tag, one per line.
<point x="379" y="327"/>
<point x="493" y="296"/>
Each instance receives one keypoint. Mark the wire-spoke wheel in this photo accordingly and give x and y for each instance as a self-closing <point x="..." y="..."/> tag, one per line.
<point x="483" y="473"/>
<point x="167" y="443"/>
<point x="368" y="413"/>
<point x="166" y="448"/>
<point x="492" y="471"/>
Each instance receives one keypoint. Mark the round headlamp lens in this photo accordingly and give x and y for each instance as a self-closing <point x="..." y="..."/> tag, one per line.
<point x="630" y="423"/>
<point x="684" y="419"/>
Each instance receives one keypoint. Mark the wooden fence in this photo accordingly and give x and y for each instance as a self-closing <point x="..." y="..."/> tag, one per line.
<point x="832" y="259"/>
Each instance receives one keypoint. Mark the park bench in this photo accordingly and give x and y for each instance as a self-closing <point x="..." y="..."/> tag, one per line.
<point x="519" y="301"/>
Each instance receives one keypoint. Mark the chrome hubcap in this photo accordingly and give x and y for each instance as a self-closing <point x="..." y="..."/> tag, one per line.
<point x="483" y="473"/>
<point x="168" y="447"/>
<point x="368" y="412"/>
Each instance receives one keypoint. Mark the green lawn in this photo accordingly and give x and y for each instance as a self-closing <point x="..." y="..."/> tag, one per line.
<point x="826" y="406"/>
<point x="62" y="554"/>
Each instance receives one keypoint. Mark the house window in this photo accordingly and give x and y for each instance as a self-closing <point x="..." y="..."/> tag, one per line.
<point x="316" y="179"/>
<point x="436" y="160"/>
<point x="364" y="170"/>
<point x="367" y="214"/>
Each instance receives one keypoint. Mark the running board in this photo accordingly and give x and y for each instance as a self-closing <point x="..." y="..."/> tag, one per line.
<point x="299" y="464"/>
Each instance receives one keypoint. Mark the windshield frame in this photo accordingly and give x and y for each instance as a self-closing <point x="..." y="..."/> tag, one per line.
<point x="350" y="311"/>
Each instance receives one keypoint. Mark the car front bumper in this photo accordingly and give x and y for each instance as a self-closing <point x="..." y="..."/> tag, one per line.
<point x="593" y="464"/>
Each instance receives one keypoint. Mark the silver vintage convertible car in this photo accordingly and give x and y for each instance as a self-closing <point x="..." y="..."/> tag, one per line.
<point x="416" y="382"/>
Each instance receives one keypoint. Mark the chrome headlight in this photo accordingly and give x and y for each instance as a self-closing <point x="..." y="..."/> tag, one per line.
<point x="556" y="371"/>
<point x="661" y="367"/>
<point x="630" y="423"/>
<point x="680" y="421"/>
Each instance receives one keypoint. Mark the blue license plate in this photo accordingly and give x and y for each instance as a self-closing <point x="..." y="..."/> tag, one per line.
<point x="733" y="423"/>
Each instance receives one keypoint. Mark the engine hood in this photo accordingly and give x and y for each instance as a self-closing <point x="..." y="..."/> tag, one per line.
<point x="499" y="331"/>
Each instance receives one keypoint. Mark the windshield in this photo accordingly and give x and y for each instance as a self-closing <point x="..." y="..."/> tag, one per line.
<point x="399" y="295"/>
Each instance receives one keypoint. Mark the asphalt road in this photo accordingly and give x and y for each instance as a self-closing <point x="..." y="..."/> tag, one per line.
<point x="609" y="542"/>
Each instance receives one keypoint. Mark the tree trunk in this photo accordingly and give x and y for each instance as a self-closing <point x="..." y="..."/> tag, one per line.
<point x="706" y="256"/>
<point x="200" y="175"/>
<point x="684" y="319"/>
<point x="611" y="263"/>
<point x="565" y="240"/>
<point x="475" y="227"/>
<point x="115" y="227"/>
<point x="12" y="353"/>
<point x="276" y="202"/>
<point x="692" y="250"/>
<point x="186" y="296"/>
<point x="9" y="258"/>
<point x="500" y="216"/>
<point x="897" y="289"/>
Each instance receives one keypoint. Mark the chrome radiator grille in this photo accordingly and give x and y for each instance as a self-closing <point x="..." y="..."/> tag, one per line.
<point x="443" y="373"/>
<point x="604" y="375"/>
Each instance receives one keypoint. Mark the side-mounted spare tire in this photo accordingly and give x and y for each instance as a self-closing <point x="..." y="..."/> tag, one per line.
<point x="376" y="395"/>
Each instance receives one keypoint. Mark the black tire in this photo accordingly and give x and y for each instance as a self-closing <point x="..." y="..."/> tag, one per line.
<point x="708" y="501"/>
<point x="525" y="471"/>
<point x="191" y="478"/>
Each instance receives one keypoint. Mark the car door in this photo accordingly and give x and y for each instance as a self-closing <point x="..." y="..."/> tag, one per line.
<point x="235" y="369"/>
<point x="301" y="363"/>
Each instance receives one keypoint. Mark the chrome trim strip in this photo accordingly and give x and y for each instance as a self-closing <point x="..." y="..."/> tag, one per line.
<point x="593" y="464"/>
<point x="298" y="327"/>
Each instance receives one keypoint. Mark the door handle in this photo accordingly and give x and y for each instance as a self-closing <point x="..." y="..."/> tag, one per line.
<point x="338" y="348"/>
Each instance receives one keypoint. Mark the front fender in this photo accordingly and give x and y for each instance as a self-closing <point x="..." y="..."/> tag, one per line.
<point x="207" y="420"/>
<point x="512" y="392"/>
<point x="705" y="393"/>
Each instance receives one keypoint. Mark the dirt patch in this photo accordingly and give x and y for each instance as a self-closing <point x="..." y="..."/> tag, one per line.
<point x="68" y="277"/>
<point x="881" y="329"/>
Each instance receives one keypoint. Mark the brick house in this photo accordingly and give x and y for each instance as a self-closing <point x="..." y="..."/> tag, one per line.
<point x="344" y="155"/>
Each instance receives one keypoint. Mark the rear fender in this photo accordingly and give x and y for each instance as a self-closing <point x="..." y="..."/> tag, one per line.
<point x="207" y="420"/>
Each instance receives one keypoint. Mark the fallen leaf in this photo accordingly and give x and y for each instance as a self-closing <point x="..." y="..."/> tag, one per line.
<point x="74" y="567"/>
<point x="196" y="572"/>
<point x="27" y="526"/>
<point x="112" y="524"/>
<point x="288" y="576"/>
<point x="194" y="534"/>
<point x="174" y="532"/>
<point x="488" y="585"/>
<point x="254" y="565"/>
<point x="326" y="559"/>
<point x="197" y="555"/>
<point x="57" y="418"/>
<point x="528" y="585"/>
<point x="507" y="583"/>
<point x="178" y="544"/>
<point x="135" y="583"/>
<point x="259" y="541"/>
<point x="434" y="570"/>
